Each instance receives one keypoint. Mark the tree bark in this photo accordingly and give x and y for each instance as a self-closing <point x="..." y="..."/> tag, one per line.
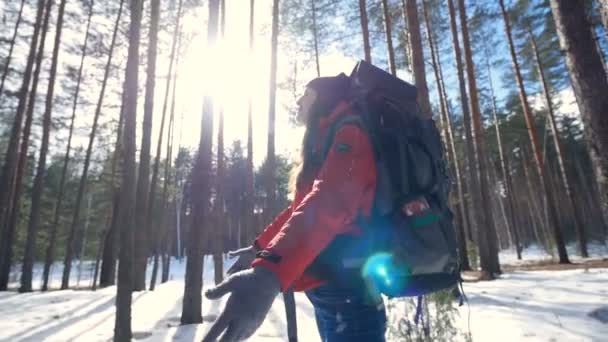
<point x="270" y="152"/>
<point x="39" y="179"/>
<point x="590" y="84"/>
<point x="506" y="175"/>
<point x="471" y="182"/>
<point x="488" y="251"/>
<point x="154" y="183"/>
<point x="67" y="262"/>
<point x="50" y="250"/>
<point x="7" y="62"/>
<point x="192" y="301"/>
<point x="578" y="221"/>
<point x="122" y="326"/>
<point x="7" y="176"/>
<point x="365" y="30"/>
<point x="418" y="59"/>
<point x="389" y="39"/>
<point x="218" y="238"/>
<point x="248" y="225"/>
<point x="462" y="218"/>
<point x="546" y="188"/>
<point x="13" y="211"/>
<point x="142" y="243"/>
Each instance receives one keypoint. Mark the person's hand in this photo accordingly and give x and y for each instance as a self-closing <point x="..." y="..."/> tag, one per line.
<point x="252" y="292"/>
<point x="245" y="258"/>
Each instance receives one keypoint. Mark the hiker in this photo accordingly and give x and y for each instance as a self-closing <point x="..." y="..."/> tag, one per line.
<point x="370" y="215"/>
<point x="330" y="194"/>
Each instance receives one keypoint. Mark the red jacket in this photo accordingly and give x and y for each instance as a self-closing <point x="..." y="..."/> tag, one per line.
<point x="343" y="188"/>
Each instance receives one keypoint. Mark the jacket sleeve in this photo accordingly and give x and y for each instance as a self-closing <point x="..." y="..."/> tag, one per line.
<point x="271" y="230"/>
<point x="341" y="190"/>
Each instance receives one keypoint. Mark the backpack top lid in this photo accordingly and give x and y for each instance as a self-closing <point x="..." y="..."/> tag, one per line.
<point x="367" y="78"/>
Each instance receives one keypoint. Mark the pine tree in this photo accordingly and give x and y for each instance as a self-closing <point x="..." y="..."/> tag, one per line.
<point x="546" y="188"/>
<point x="122" y="326"/>
<point x="34" y="220"/>
<point x="7" y="62"/>
<point x="389" y="39"/>
<point x="69" y="254"/>
<point x="365" y="30"/>
<point x="590" y="84"/>
<point x="488" y="251"/>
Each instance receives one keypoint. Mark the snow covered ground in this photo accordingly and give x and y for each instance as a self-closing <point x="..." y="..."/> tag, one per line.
<point x="521" y="306"/>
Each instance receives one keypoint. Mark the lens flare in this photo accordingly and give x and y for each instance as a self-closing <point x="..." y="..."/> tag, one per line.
<point x="381" y="270"/>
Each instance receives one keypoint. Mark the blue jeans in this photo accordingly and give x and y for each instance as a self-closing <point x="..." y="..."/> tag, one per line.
<point x="345" y="316"/>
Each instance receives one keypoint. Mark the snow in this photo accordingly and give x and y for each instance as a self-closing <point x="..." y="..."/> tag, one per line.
<point x="530" y="306"/>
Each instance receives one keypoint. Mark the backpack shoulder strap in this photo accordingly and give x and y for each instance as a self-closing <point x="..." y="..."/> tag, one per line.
<point x="335" y="127"/>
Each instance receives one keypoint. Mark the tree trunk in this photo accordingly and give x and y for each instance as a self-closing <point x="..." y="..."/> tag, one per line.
<point x="218" y="236"/>
<point x="578" y="221"/>
<point x="469" y="160"/>
<point x="67" y="263"/>
<point x="192" y="301"/>
<point x="11" y="224"/>
<point x="250" y="192"/>
<point x="488" y="251"/>
<point x="389" y="39"/>
<point x="142" y="243"/>
<point x="39" y="179"/>
<point x="541" y="222"/>
<point x="365" y="30"/>
<point x="50" y="250"/>
<point x="506" y="176"/>
<point x="418" y="59"/>
<point x="270" y="152"/>
<point x="546" y="188"/>
<point x="122" y="326"/>
<point x="149" y="221"/>
<point x="7" y="62"/>
<point x="315" y="36"/>
<point x="590" y="84"/>
<point x="7" y="176"/>
<point x="462" y="218"/>
<point x="107" y="276"/>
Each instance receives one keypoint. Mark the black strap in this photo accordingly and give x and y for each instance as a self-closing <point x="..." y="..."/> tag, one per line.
<point x="335" y="127"/>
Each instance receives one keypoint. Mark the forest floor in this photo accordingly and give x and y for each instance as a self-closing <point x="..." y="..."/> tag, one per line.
<point x="524" y="304"/>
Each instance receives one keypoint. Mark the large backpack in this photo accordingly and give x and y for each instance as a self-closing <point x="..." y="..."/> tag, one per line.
<point x="408" y="247"/>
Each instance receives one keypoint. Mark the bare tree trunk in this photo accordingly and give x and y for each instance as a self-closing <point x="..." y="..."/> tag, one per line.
<point x="218" y="236"/>
<point x="11" y="224"/>
<point x="545" y="185"/>
<point x="418" y="59"/>
<point x="315" y="36"/>
<point x="506" y="176"/>
<point x="39" y="179"/>
<point x="67" y="263"/>
<point x="365" y="30"/>
<point x="389" y="39"/>
<point x="462" y="218"/>
<point x="469" y="160"/>
<point x="578" y="221"/>
<point x="107" y="276"/>
<point x="270" y="152"/>
<point x="590" y="84"/>
<point x="126" y="218"/>
<point x="7" y="62"/>
<point x="50" y="251"/>
<point x="153" y="228"/>
<point x="535" y="204"/>
<point x="192" y="301"/>
<point x="11" y="160"/>
<point x="142" y="243"/>
<point x="248" y="225"/>
<point x="488" y="251"/>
